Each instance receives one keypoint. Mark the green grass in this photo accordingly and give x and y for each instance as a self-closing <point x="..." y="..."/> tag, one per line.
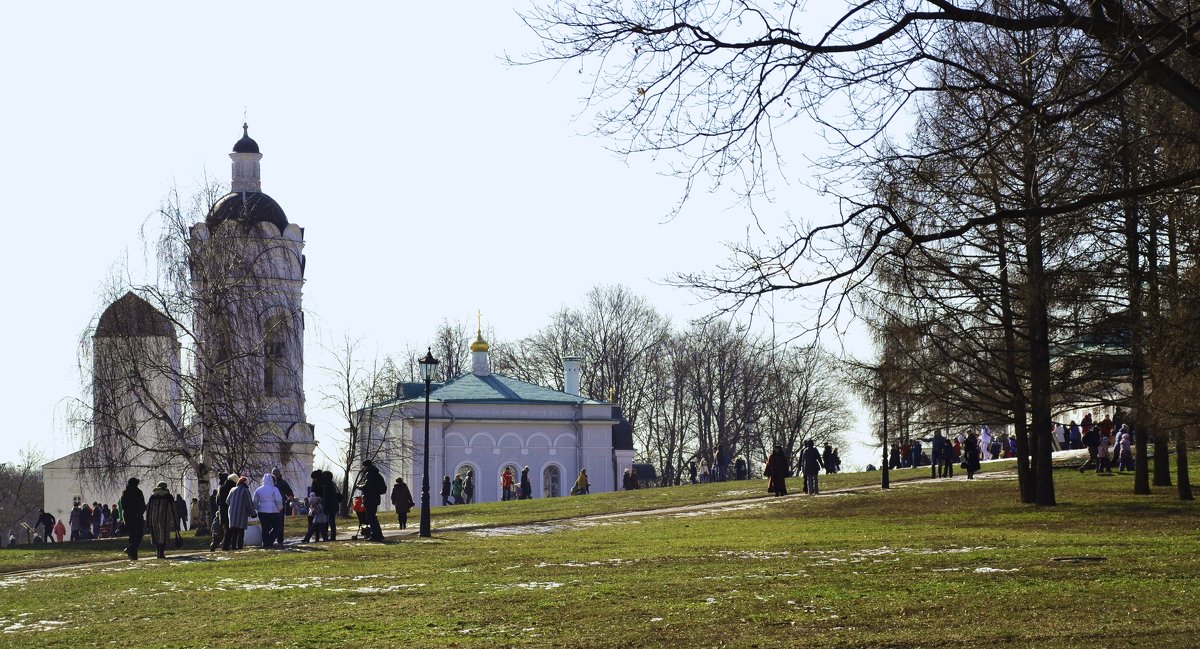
<point x="931" y="564"/>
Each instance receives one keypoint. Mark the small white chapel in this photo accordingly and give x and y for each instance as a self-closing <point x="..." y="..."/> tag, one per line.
<point x="484" y="422"/>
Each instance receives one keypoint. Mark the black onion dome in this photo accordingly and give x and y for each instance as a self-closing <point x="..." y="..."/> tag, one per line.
<point x="131" y="316"/>
<point x="245" y="145"/>
<point x="248" y="208"/>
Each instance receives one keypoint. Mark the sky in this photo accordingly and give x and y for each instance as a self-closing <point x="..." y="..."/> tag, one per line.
<point x="432" y="179"/>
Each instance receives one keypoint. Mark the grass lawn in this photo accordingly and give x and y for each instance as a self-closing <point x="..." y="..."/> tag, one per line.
<point x="930" y="564"/>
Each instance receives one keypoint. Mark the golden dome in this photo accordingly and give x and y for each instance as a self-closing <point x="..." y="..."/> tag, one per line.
<point x="480" y="345"/>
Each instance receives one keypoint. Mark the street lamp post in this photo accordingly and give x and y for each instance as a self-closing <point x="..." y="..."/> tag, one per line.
<point x="428" y="367"/>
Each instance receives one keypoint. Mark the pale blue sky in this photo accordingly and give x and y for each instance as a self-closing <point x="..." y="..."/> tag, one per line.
<point x="431" y="179"/>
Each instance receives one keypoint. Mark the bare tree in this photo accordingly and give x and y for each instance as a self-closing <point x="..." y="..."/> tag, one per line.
<point x="20" y="492"/>
<point x="355" y="389"/>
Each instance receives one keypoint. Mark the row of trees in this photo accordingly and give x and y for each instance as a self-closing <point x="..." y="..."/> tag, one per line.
<point x="1029" y="244"/>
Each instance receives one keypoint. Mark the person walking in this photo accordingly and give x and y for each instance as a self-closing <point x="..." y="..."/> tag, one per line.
<point x="446" y="490"/>
<point x="241" y="508"/>
<point x="160" y="518"/>
<point x="402" y="501"/>
<point x="811" y="467"/>
<point x="133" y="516"/>
<point x="777" y="470"/>
<point x="373" y="489"/>
<point x="181" y="512"/>
<point x="456" y="491"/>
<point x="526" y="486"/>
<point x="469" y="487"/>
<point x="971" y="455"/>
<point x="268" y="502"/>
<point x="60" y="531"/>
<point x="935" y="454"/>
<point x="332" y="499"/>
<point x="582" y="486"/>
<point x="506" y="485"/>
<point x="46" y="521"/>
<point x="1091" y="439"/>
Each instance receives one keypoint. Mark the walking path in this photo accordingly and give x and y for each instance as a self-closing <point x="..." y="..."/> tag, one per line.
<point x="542" y="527"/>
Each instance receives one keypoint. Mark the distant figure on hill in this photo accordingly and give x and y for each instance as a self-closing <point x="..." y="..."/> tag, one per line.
<point x="456" y="491"/>
<point x="1091" y="440"/>
<point x="935" y="454"/>
<point x="916" y="453"/>
<point x="402" y="501"/>
<point x="971" y="455"/>
<point x="446" y="490"/>
<point x="181" y="511"/>
<point x="318" y="521"/>
<point x="332" y="499"/>
<point x="739" y="468"/>
<point x="629" y="480"/>
<point x="777" y="470"/>
<point x="133" y="515"/>
<point x="827" y="458"/>
<point x="46" y="521"/>
<point x="985" y="442"/>
<point x="506" y="485"/>
<point x="1102" y="465"/>
<point x="692" y="472"/>
<point x="946" y="470"/>
<point x="582" y="486"/>
<point x="60" y="531"/>
<point x="225" y="484"/>
<point x="1124" y="449"/>
<point x="1074" y="436"/>
<point x="837" y="461"/>
<point x="160" y="518"/>
<point x="469" y="487"/>
<point x="810" y="466"/>
<point x="268" y="502"/>
<point x="894" y="459"/>
<point x="526" y="485"/>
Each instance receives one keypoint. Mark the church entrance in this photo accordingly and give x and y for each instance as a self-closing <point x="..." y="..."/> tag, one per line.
<point x="551" y="481"/>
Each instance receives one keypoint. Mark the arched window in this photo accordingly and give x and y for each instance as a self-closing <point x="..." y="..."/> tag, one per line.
<point x="551" y="481"/>
<point x="274" y="346"/>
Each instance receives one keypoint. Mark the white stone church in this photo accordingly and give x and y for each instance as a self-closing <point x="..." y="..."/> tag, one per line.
<point x="480" y="421"/>
<point x="253" y="337"/>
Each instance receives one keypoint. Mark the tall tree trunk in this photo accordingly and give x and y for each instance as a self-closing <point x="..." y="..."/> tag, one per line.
<point x="1025" y="478"/>
<point x="1162" y="458"/>
<point x="1039" y="370"/>
<point x="1181" y="465"/>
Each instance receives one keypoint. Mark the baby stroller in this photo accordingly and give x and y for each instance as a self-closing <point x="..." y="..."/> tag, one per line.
<point x="360" y="510"/>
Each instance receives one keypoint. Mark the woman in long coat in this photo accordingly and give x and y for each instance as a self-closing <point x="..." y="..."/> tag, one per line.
<point x="160" y="518"/>
<point x="241" y="507"/>
<point x="777" y="466"/>
<point x="402" y="501"/>
<point x="526" y="486"/>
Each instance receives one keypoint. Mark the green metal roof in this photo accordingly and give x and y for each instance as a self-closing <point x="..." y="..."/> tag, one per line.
<point x="495" y="387"/>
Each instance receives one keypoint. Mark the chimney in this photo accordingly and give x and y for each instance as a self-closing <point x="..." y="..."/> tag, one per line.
<point x="571" y="375"/>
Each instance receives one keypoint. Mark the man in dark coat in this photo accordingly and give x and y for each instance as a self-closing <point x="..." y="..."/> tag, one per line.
<point x="285" y="490"/>
<point x="181" y="512"/>
<point x="373" y="489"/>
<point x="526" y="486"/>
<point x="810" y="466"/>
<point x="1091" y="439"/>
<point x="777" y="470"/>
<point x="402" y="501"/>
<point x="46" y="520"/>
<point x="315" y="488"/>
<point x="935" y="451"/>
<point x="133" y="514"/>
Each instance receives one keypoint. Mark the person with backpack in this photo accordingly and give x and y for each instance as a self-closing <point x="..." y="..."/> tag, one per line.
<point x="373" y="490"/>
